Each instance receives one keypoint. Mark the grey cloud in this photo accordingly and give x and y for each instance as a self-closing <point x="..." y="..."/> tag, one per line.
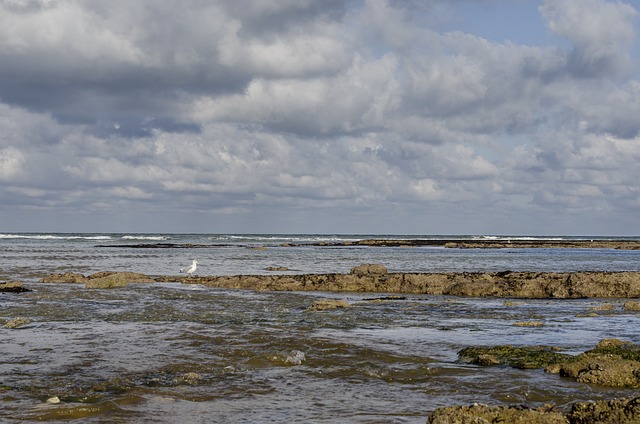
<point x="245" y="112"/>
<point x="601" y="34"/>
<point x="119" y="59"/>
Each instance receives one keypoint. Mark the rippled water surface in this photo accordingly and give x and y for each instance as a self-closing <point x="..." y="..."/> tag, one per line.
<point x="166" y="353"/>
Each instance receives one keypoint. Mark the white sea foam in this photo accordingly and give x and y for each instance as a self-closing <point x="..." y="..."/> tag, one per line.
<point x="54" y="237"/>
<point x="140" y="237"/>
<point x="295" y="358"/>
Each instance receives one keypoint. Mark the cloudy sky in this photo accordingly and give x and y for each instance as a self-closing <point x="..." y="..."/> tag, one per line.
<point x="320" y="116"/>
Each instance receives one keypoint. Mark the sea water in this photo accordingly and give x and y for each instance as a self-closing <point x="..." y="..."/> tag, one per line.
<point x="165" y="353"/>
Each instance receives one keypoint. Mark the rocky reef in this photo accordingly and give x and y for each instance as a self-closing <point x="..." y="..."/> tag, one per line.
<point x="99" y="280"/>
<point x="616" y="411"/>
<point x="370" y="278"/>
<point x="612" y="363"/>
<point x="13" y="287"/>
<point x="374" y="278"/>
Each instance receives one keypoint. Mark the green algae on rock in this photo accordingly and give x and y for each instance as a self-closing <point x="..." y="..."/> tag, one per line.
<point x="528" y="357"/>
<point x="612" y="363"/>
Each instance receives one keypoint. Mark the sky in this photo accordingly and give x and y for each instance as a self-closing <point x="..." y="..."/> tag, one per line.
<point x="325" y="116"/>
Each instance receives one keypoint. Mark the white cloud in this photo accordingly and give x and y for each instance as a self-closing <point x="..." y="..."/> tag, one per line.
<point x="264" y="109"/>
<point x="11" y="163"/>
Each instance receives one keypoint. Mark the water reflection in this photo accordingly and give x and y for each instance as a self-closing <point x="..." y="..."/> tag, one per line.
<point x="166" y="352"/>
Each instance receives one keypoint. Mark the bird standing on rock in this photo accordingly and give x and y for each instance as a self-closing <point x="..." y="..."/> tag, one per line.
<point x="191" y="269"/>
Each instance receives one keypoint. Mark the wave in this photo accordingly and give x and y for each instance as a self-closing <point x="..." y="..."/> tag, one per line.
<point x="150" y="238"/>
<point x="54" y="237"/>
<point x="529" y="238"/>
<point x="281" y="238"/>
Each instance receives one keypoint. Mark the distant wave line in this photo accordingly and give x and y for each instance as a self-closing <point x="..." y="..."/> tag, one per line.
<point x="154" y="238"/>
<point x="52" y="237"/>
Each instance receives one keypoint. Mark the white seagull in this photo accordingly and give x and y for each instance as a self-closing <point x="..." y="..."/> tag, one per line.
<point x="190" y="269"/>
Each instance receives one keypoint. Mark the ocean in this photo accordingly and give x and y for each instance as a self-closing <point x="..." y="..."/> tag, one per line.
<point x="170" y="352"/>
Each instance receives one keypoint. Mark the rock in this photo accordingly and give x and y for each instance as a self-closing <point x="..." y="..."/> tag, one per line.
<point x="324" y="304"/>
<point x="631" y="306"/>
<point x="108" y="280"/>
<point x="612" y="363"/>
<point x="369" y="269"/>
<point x="528" y="324"/>
<point x="615" y="411"/>
<point x="276" y="268"/>
<point x="481" y="414"/>
<point x="518" y="357"/>
<point x="603" y="307"/>
<point x="189" y="378"/>
<point x="375" y="279"/>
<point x="67" y="277"/>
<point x="13" y="287"/>
<point x="17" y="323"/>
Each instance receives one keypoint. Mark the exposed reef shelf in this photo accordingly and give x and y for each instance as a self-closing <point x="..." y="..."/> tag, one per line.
<point x="447" y="243"/>
<point x="375" y="279"/>
<point x="496" y="244"/>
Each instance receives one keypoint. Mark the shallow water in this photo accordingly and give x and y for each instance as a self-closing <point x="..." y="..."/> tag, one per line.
<point x="33" y="256"/>
<point x="165" y="353"/>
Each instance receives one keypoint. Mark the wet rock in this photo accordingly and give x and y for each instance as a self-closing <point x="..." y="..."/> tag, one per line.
<point x="616" y="411"/>
<point x="612" y="363"/>
<point x="324" y="304"/>
<point x="277" y="268"/>
<point x="67" y="277"/>
<point x="603" y="307"/>
<point x="17" y="322"/>
<point x="13" y="287"/>
<point x="528" y="324"/>
<point x="383" y="299"/>
<point x="375" y="279"/>
<point x="110" y="280"/>
<point x="369" y="269"/>
<point x="481" y="414"/>
<point x="189" y="378"/>
<point x="527" y="357"/>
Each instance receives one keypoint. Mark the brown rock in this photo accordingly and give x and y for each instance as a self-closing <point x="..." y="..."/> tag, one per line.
<point x="369" y="269"/>
<point x="631" y="306"/>
<point x="67" y="277"/>
<point x="616" y="411"/>
<point x="110" y="280"/>
<point x="481" y="414"/>
<point x="613" y="363"/>
<point x="13" y="287"/>
<point x="17" y="322"/>
<point x="324" y="304"/>
<point x="375" y="279"/>
<point x="277" y="268"/>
